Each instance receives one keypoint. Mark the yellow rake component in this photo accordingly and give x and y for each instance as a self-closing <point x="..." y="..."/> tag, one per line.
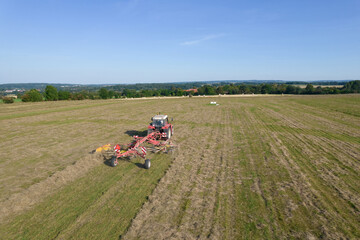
<point x="104" y="148"/>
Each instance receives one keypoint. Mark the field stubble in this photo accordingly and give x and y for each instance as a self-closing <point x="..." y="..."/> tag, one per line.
<point x="259" y="167"/>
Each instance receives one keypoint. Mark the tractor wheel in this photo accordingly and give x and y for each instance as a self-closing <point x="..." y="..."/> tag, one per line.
<point x="147" y="164"/>
<point x="168" y="134"/>
<point x="113" y="161"/>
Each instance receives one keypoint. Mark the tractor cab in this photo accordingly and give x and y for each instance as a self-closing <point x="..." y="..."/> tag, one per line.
<point x="159" y="121"/>
<point x="161" y="124"/>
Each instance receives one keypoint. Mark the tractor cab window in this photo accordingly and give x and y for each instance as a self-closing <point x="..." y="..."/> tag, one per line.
<point x="158" y="123"/>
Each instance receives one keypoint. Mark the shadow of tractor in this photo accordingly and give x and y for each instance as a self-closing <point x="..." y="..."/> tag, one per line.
<point x="137" y="133"/>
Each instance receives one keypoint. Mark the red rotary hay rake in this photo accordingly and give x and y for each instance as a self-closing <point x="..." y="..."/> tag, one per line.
<point x="158" y="139"/>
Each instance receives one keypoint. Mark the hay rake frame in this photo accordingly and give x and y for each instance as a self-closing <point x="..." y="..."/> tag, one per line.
<point x="157" y="140"/>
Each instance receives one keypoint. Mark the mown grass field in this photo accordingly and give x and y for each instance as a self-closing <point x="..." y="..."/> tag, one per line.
<point x="253" y="167"/>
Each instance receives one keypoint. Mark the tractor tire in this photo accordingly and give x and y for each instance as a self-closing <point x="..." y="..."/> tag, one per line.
<point x="147" y="164"/>
<point x="113" y="161"/>
<point x="168" y="134"/>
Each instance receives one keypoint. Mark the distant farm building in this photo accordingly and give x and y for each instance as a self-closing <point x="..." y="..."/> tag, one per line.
<point x="191" y="90"/>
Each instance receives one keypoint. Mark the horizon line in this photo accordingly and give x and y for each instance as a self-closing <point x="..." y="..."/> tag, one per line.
<point x="229" y="80"/>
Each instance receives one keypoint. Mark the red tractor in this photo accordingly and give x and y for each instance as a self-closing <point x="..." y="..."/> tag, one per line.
<point x="160" y="123"/>
<point x="158" y="137"/>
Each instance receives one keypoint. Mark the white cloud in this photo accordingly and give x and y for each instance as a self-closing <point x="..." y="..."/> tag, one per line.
<point x="206" y="38"/>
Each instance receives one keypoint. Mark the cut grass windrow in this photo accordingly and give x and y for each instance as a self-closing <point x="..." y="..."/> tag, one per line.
<point x="250" y="168"/>
<point x="99" y="205"/>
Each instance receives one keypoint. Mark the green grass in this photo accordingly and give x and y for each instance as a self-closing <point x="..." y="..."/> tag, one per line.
<point x="125" y="189"/>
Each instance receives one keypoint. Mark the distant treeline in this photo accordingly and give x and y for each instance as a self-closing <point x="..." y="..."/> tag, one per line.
<point x="156" y="86"/>
<point x="51" y="93"/>
<point x="322" y="83"/>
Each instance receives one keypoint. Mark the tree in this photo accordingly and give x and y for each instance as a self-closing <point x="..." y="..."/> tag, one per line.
<point x="111" y="94"/>
<point x="309" y="89"/>
<point x="165" y="92"/>
<point x="129" y="93"/>
<point x="220" y="90"/>
<point x="318" y="90"/>
<point x="265" y="89"/>
<point x="8" y="100"/>
<point x="64" y="95"/>
<point x="352" y="87"/>
<point x="281" y="88"/>
<point x="103" y="93"/>
<point x="146" y="93"/>
<point x="78" y="96"/>
<point x="290" y="89"/>
<point x="242" y="89"/>
<point x="232" y="89"/>
<point x="179" y="92"/>
<point x="51" y="93"/>
<point x="116" y="95"/>
<point x="207" y="90"/>
<point x="32" y="95"/>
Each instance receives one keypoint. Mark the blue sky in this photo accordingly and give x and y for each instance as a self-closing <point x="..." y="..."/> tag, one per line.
<point x="128" y="41"/>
